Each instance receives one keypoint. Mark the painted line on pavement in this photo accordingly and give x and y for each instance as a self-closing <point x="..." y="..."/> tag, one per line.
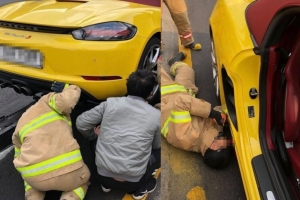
<point x="196" y="192"/>
<point x="5" y="152"/>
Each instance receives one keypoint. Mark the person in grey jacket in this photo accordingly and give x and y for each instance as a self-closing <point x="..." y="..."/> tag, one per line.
<point x="128" y="145"/>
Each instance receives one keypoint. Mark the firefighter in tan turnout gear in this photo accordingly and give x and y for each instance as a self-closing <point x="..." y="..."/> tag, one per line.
<point x="190" y="123"/>
<point x="46" y="154"/>
<point x="178" y="11"/>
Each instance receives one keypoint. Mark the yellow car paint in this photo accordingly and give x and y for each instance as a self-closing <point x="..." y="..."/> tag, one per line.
<point x="234" y="54"/>
<point x="67" y="59"/>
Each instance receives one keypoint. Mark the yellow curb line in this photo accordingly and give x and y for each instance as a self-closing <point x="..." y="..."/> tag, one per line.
<point x="187" y="51"/>
<point x="129" y="196"/>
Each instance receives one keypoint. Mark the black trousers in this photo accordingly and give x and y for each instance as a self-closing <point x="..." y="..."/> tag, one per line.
<point x="131" y="187"/>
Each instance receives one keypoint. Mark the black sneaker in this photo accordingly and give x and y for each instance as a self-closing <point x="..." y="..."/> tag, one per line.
<point x="141" y="193"/>
<point x="179" y="57"/>
<point x="151" y="185"/>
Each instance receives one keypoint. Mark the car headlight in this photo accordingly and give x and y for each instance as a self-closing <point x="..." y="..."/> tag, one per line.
<point x="108" y="31"/>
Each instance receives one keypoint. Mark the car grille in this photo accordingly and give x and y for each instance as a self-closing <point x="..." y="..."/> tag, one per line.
<point x="35" y="28"/>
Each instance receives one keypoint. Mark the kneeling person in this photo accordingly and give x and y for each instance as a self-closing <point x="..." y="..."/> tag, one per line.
<point x="128" y="145"/>
<point x="46" y="154"/>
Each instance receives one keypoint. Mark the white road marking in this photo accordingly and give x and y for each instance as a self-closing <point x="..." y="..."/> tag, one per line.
<point x="5" y="152"/>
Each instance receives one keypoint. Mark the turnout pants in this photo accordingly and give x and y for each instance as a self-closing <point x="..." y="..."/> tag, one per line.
<point x="178" y="11"/>
<point x="73" y="184"/>
<point x="184" y="75"/>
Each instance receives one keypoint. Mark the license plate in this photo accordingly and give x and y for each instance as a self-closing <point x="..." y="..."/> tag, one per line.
<point x="31" y="58"/>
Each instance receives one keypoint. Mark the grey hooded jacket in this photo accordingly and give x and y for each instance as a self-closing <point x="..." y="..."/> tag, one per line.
<point x="130" y="128"/>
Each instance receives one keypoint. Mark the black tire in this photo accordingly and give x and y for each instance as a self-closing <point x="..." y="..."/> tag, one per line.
<point x="149" y="61"/>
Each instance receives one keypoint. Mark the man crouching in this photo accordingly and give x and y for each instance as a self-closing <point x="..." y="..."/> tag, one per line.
<point x="46" y="154"/>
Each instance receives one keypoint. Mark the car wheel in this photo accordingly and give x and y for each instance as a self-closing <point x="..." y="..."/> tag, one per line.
<point x="148" y="61"/>
<point x="215" y="70"/>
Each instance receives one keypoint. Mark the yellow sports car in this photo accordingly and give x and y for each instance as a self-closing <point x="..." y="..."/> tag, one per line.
<point x="95" y="44"/>
<point x="256" y="68"/>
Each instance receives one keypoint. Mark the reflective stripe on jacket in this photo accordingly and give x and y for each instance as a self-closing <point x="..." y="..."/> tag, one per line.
<point x="168" y="89"/>
<point x="79" y="192"/>
<point x="27" y="186"/>
<point x="53" y="104"/>
<point x="40" y="121"/>
<point x="17" y="152"/>
<point x="51" y="164"/>
<point x="176" y="118"/>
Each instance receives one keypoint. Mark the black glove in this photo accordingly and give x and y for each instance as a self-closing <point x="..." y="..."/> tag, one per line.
<point x="58" y="86"/>
<point x="218" y="117"/>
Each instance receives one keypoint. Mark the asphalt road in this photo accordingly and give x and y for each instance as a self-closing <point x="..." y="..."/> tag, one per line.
<point x="184" y="175"/>
<point x="3" y="2"/>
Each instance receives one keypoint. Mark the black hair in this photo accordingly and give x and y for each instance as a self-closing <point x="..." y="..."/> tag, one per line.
<point x="217" y="159"/>
<point x="140" y="83"/>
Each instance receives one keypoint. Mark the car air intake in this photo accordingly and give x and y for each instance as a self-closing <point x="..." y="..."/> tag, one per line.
<point x="35" y="28"/>
<point x="101" y="78"/>
<point x="229" y="97"/>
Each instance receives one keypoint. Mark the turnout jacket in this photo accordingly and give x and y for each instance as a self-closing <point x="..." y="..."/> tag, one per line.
<point x="184" y="118"/>
<point x="43" y="138"/>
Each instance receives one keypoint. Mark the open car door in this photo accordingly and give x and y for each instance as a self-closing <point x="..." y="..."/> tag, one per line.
<point x="276" y="39"/>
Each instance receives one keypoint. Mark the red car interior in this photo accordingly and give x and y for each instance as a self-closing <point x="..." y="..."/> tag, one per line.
<point x="292" y="106"/>
<point x="276" y="34"/>
<point x="283" y="99"/>
<point x="256" y="12"/>
<point x="278" y="56"/>
<point x="156" y="3"/>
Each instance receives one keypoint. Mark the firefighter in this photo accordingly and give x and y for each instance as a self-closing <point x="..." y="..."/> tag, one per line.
<point x="190" y="123"/>
<point x="46" y="154"/>
<point x="178" y="11"/>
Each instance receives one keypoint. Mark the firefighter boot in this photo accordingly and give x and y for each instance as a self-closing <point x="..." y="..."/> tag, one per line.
<point x="194" y="46"/>
<point x="179" y="57"/>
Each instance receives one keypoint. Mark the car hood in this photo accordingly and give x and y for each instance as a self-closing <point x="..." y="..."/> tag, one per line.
<point x="67" y="13"/>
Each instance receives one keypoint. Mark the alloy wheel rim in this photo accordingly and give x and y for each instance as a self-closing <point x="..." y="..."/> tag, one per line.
<point x="150" y="63"/>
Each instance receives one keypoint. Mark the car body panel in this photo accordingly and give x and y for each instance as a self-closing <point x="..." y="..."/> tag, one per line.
<point x="234" y="52"/>
<point x="67" y="59"/>
<point x="249" y="72"/>
<point x="72" y="14"/>
<point x="246" y="139"/>
<point x="234" y="29"/>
